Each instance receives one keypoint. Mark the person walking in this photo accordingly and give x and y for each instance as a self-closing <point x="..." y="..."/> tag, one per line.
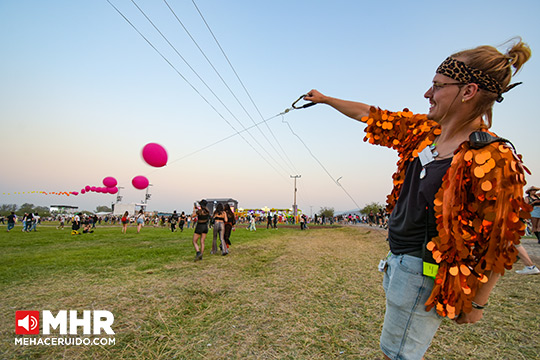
<point x="11" y="219"/>
<point x="25" y="216"/>
<point x="201" y="229"/>
<point x="269" y="221"/>
<point x="251" y="226"/>
<point x="457" y="197"/>
<point x="182" y="221"/>
<point x="220" y="218"/>
<point x="28" y="221"/>
<point x="61" y="220"/>
<point x="173" y="220"/>
<point x="229" y="225"/>
<point x="533" y="199"/>
<point x="35" y="221"/>
<point x="125" y="222"/>
<point x="140" y="220"/>
<point x="530" y="268"/>
<point x="303" y="222"/>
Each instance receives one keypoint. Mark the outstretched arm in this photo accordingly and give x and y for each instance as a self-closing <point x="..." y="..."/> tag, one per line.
<point x="352" y="109"/>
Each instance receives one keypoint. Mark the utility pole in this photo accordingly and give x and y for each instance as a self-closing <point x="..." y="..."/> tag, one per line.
<point x="295" y="208"/>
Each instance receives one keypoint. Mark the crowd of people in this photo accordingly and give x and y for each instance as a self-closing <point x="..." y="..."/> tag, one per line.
<point x="29" y="220"/>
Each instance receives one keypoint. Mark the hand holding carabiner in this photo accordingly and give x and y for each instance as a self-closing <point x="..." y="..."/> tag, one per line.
<point x="294" y="106"/>
<point x="315" y="97"/>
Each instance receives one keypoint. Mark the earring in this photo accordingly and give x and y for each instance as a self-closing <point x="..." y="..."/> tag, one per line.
<point x="463" y="100"/>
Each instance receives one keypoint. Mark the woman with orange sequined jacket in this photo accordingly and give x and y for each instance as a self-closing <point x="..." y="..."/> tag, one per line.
<point x="457" y="196"/>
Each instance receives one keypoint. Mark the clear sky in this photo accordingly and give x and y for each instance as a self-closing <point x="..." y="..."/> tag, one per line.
<point x="81" y="93"/>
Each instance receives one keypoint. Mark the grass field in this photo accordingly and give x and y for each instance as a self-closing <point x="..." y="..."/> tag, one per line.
<point x="285" y="294"/>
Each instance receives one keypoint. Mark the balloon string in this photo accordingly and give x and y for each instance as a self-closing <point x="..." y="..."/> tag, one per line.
<point x="216" y="142"/>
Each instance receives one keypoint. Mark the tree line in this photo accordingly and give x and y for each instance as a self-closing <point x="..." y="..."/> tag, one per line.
<point x="6" y="209"/>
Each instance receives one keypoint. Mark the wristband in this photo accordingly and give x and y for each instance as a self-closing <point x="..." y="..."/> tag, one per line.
<point x="477" y="306"/>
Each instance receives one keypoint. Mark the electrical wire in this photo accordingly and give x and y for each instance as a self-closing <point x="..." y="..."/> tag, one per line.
<point x="241" y="83"/>
<point x="216" y="142"/>
<point x="237" y="132"/>
<point x="193" y="87"/>
<point x="318" y="161"/>
<point x="204" y="82"/>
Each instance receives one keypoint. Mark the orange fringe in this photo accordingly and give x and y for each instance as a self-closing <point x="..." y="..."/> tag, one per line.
<point x="479" y="207"/>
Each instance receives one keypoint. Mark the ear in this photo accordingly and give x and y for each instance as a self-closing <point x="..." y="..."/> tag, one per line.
<point x="469" y="91"/>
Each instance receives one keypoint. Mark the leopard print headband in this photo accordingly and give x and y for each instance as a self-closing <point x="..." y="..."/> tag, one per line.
<point x="465" y="74"/>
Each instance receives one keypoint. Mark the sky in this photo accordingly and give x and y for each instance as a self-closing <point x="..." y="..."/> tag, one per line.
<point x="82" y="92"/>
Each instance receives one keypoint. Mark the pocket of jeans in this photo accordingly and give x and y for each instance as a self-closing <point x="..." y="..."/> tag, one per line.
<point x="411" y="264"/>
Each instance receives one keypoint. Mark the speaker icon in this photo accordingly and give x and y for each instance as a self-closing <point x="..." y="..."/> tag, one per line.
<point x="26" y="322"/>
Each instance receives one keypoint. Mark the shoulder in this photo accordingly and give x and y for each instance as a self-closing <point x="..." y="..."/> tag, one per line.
<point x="496" y="155"/>
<point x="491" y="172"/>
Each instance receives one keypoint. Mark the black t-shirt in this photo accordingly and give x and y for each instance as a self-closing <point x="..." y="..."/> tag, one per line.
<point x="407" y="222"/>
<point x="202" y="217"/>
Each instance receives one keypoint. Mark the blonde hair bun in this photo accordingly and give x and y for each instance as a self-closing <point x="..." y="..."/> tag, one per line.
<point x="518" y="55"/>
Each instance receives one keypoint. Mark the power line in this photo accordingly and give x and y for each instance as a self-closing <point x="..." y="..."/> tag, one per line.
<point x="217" y="142"/>
<point x="207" y="86"/>
<point x="318" y="161"/>
<point x="191" y="85"/>
<point x="241" y="83"/>
<point x="208" y="102"/>
<point x="223" y="80"/>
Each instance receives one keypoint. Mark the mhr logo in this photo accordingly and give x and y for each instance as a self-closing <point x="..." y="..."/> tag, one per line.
<point x="27" y="322"/>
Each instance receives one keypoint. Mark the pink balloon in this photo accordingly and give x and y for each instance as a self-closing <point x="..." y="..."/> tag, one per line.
<point x="83" y="191"/>
<point x="112" y="190"/>
<point x="100" y="190"/>
<point x="74" y="193"/>
<point x="93" y="188"/>
<point x="87" y="188"/>
<point x="140" y="182"/>
<point x="110" y="182"/>
<point x="155" y="155"/>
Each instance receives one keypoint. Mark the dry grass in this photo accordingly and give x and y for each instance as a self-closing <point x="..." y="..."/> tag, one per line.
<point x="293" y="295"/>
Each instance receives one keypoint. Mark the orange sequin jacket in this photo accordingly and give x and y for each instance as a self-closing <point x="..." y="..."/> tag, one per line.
<point x="478" y="208"/>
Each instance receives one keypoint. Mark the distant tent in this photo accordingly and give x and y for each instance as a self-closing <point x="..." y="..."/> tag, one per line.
<point x="212" y="203"/>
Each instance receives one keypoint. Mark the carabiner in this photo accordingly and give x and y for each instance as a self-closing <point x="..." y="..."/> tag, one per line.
<point x="303" y="106"/>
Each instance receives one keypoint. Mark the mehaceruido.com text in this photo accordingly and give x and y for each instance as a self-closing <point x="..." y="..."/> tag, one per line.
<point x="64" y="341"/>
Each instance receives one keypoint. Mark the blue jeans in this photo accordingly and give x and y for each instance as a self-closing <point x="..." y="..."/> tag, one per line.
<point x="408" y="328"/>
<point x="10" y="226"/>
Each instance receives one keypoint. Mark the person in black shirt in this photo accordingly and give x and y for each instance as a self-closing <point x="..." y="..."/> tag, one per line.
<point x="11" y="221"/>
<point x="173" y="221"/>
<point x="201" y="229"/>
<point x="435" y="151"/>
